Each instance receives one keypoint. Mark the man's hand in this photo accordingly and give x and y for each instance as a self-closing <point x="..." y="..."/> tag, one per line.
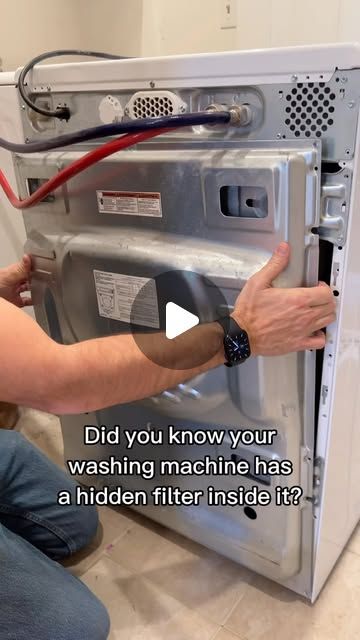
<point x="15" y="280"/>
<point x="279" y="321"/>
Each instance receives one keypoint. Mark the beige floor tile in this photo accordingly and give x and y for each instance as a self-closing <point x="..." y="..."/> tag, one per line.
<point x="269" y="611"/>
<point x="197" y="578"/>
<point x="354" y="542"/>
<point x="44" y="431"/>
<point x="139" y="610"/>
<point x="113" y="525"/>
<point x="224" y="634"/>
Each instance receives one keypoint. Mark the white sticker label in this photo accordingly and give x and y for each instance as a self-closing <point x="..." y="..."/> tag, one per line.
<point x="116" y="293"/>
<point x="131" y="203"/>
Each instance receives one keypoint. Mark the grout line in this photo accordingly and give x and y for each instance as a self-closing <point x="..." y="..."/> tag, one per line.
<point x="83" y="573"/>
<point x="241" y="596"/>
<point x="115" y="541"/>
<point x="355" y="553"/>
<point x="216" y="633"/>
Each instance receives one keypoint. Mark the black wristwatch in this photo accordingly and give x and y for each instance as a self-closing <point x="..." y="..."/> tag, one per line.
<point x="236" y="342"/>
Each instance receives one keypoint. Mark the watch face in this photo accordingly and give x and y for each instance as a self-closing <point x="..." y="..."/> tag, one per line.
<point x="237" y="348"/>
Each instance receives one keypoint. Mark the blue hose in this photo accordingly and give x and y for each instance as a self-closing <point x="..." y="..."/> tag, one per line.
<point x="106" y="130"/>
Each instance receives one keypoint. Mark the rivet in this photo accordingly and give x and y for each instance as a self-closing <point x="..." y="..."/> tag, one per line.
<point x="351" y="104"/>
<point x="294" y="78"/>
<point x="152" y="84"/>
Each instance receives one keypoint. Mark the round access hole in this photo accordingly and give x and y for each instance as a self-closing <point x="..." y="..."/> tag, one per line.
<point x="250" y="513"/>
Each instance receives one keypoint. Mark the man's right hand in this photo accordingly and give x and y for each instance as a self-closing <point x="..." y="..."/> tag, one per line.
<point x="279" y="321"/>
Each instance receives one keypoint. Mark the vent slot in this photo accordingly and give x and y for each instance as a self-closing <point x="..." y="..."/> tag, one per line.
<point x="310" y="109"/>
<point x="154" y="104"/>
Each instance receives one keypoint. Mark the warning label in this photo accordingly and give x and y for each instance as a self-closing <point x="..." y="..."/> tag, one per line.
<point x="131" y="203"/>
<point x="116" y="293"/>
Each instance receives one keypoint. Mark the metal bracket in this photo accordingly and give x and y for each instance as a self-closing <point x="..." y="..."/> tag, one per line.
<point x="334" y="206"/>
<point x="306" y="475"/>
<point x="318" y="478"/>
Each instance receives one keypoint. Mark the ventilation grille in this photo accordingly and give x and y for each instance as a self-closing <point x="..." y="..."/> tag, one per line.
<point x="310" y="109"/>
<point x="152" y="104"/>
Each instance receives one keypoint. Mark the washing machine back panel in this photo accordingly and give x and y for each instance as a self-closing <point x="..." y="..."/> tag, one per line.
<point x="221" y="210"/>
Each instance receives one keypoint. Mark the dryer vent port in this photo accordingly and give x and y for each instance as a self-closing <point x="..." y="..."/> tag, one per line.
<point x="152" y="104"/>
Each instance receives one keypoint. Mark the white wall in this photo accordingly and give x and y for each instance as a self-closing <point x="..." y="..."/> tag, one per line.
<point x="189" y="26"/>
<point x="114" y="26"/>
<point x="30" y="27"/>
<point x="195" y="25"/>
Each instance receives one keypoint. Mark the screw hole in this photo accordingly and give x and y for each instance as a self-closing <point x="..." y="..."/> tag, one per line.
<point x="250" y="513"/>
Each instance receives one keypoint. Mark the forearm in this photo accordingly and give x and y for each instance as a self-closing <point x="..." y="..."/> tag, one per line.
<point x="38" y="372"/>
<point x="108" y="371"/>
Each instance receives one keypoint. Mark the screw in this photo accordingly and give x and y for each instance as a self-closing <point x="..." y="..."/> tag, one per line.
<point x="23" y="107"/>
<point x="343" y="79"/>
<point x="278" y="135"/>
<point x="294" y="78"/>
<point x="152" y="84"/>
<point x="27" y="140"/>
<point x="351" y="104"/>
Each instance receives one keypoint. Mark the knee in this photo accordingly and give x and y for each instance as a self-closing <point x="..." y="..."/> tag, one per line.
<point x="88" y="526"/>
<point x="12" y="441"/>
<point x="91" y="524"/>
<point x="83" y="616"/>
<point x="94" y="624"/>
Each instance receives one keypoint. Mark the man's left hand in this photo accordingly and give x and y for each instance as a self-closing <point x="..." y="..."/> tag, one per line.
<point x="14" y="281"/>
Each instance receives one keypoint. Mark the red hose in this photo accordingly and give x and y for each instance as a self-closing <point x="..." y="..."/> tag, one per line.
<point x="76" y="167"/>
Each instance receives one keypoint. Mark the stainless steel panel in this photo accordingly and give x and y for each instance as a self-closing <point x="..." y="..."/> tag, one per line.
<point x="192" y="234"/>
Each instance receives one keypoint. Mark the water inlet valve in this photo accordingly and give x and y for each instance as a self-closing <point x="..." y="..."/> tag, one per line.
<point x="240" y="114"/>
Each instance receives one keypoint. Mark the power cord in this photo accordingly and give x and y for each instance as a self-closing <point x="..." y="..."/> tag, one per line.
<point x="63" y="113"/>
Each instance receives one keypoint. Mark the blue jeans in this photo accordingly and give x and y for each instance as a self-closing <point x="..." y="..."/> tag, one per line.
<point x="39" y="599"/>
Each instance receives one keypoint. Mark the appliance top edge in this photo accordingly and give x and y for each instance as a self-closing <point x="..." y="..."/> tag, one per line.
<point x="236" y="66"/>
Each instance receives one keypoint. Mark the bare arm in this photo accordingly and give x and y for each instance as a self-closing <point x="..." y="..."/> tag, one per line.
<point x="38" y="372"/>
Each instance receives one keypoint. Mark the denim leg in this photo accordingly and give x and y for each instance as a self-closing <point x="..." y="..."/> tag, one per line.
<point x="40" y="600"/>
<point x="29" y="484"/>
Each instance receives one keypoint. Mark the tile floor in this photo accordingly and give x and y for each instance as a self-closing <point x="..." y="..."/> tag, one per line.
<point x="158" y="585"/>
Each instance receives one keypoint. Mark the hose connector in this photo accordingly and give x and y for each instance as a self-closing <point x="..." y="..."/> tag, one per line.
<point x="240" y="114"/>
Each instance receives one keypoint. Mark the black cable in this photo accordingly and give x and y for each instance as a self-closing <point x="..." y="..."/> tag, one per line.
<point x="106" y="130"/>
<point x="61" y="112"/>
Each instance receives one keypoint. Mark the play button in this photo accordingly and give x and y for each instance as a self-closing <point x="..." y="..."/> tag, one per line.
<point x="178" y="320"/>
<point x="172" y="318"/>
